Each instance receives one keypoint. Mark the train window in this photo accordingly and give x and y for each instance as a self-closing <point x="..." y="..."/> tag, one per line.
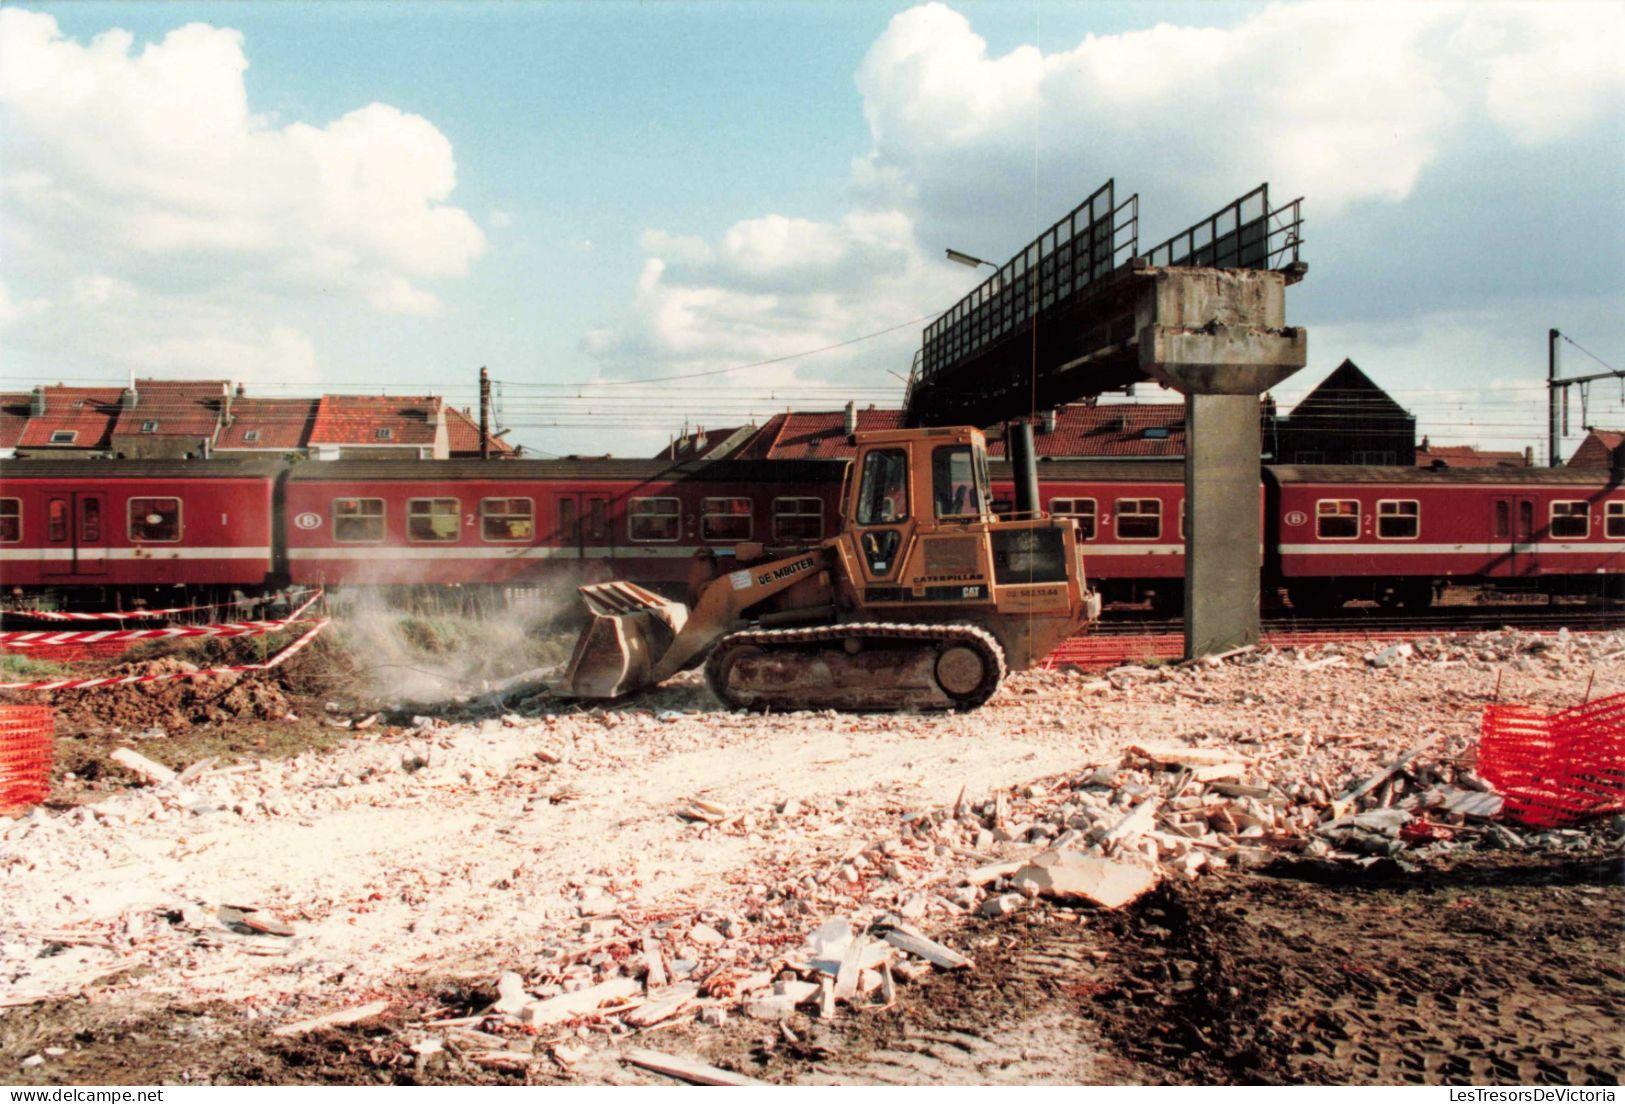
<point x="1613" y="525"/>
<point x="11" y="520"/>
<point x="569" y="530"/>
<point x="798" y="519"/>
<point x="433" y="519"/>
<point x="154" y="519"/>
<point x="597" y="519"/>
<point x="90" y="520"/>
<point x="654" y="519"/>
<point x="507" y="519"/>
<point x="1398" y="519"/>
<point x="56" y="519"/>
<point x="1570" y="520"/>
<point x="1337" y="519"/>
<point x="725" y="519"/>
<point x="1082" y="510"/>
<point x="1139" y="518"/>
<point x="358" y="520"/>
<point x="1503" y="519"/>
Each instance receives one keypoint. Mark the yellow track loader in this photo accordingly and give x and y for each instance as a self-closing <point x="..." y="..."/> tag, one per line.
<point x="923" y="600"/>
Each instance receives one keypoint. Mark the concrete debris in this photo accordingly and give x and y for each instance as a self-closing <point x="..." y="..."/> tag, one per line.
<point x="333" y="1019"/>
<point x="685" y="1069"/>
<point x="552" y="838"/>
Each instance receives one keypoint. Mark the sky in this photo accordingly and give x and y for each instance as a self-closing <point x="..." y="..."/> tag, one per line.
<point x="641" y="216"/>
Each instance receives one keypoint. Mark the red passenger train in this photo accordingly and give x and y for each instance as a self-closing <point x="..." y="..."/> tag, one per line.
<point x="113" y="534"/>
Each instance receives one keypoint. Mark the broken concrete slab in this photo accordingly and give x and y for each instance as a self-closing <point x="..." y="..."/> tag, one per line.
<point x="1103" y="882"/>
<point x="569" y="1005"/>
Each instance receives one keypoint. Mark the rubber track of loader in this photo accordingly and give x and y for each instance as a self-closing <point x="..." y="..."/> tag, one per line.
<point x="822" y="635"/>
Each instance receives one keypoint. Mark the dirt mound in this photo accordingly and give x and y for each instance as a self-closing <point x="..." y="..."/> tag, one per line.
<point x="168" y="704"/>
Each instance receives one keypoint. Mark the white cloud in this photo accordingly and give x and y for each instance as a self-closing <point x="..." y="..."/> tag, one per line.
<point x="143" y="174"/>
<point x="13" y="311"/>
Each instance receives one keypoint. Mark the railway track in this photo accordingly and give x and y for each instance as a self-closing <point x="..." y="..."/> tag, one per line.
<point x="1110" y="643"/>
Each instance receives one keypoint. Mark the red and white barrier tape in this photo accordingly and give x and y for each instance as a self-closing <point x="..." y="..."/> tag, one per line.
<point x="49" y="638"/>
<point x="123" y="680"/>
<point x="57" y="638"/>
<point x="125" y="615"/>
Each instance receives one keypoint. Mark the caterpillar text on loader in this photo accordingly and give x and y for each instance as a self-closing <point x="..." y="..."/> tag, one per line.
<point x="922" y="601"/>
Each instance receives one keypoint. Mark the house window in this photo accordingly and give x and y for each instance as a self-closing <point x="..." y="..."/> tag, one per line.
<point x="155" y="519"/>
<point x="1139" y="518"/>
<point x="358" y="520"/>
<point x="1337" y="519"/>
<point x="798" y="519"/>
<point x="1613" y="525"/>
<point x="1398" y="519"/>
<point x="385" y="434"/>
<point x="149" y="426"/>
<point x="507" y="519"/>
<point x="1080" y="509"/>
<point x="1379" y="458"/>
<point x="654" y="519"/>
<point x="725" y="519"/>
<point x="433" y="519"/>
<point x="64" y="436"/>
<point x="1570" y="520"/>
<point x="11" y="520"/>
<point x="251" y="436"/>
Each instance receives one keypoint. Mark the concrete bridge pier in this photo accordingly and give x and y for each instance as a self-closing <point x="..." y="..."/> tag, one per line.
<point x="1219" y="337"/>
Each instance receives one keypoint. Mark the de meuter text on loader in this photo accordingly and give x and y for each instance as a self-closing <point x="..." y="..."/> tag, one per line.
<point x="923" y="600"/>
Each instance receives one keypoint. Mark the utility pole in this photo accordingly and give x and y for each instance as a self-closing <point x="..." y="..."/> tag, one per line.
<point x="485" y="413"/>
<point x="1552" y="460"/>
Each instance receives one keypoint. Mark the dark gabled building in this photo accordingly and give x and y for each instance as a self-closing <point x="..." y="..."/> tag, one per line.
<point x="1348" y="419"/>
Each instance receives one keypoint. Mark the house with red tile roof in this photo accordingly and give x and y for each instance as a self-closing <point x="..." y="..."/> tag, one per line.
<point x="379" y="427"/>
<point x="265" y="426"/>
<point x="1602" y="448"/>
<point x="1429" y="455"/>
<point x="70" y="421"/>
<point x="13" y="420"/>
<point x="169" y="419"/>
<point x="463" y="438"/>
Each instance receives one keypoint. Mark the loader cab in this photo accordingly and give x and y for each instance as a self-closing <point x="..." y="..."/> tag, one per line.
<point x="907" y="480"/>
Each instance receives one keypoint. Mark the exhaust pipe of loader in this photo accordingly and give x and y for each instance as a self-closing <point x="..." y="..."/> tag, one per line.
<point x="630" y="630"/>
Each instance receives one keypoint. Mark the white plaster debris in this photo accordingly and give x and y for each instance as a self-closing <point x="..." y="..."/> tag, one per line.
<point x="544" y="850"/>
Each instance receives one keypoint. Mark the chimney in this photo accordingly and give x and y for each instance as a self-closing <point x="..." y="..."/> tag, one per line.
<point x="240" y="389"/>
<point x="851" y="423"/>
<point x="36" y="405"/>
<point x="1528" y="456"/>
<point x="128" y="398"/>
<point x="1049" y="420"/>
<point x="700" y="440"/>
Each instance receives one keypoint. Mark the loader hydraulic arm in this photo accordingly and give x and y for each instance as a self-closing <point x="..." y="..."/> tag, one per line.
<point x="724" y="600"/>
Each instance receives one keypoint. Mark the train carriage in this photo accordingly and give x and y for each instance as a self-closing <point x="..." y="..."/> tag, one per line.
<point x="1397" y="535"/>
<point x="355" y="523"/>
<point x="94" y="531"/>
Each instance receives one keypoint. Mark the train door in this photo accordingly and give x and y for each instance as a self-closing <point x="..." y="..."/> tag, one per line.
<point x="75" y="533"/>
<point x="582" y="526"/>
<point x="1512" y="526"/>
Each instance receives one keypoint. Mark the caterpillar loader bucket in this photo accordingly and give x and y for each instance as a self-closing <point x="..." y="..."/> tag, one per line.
<point x="631" y="628"/>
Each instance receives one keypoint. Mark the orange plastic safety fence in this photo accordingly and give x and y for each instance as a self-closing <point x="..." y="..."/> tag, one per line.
<point x="1559" y="768"/>
<point x="26" y="732"/>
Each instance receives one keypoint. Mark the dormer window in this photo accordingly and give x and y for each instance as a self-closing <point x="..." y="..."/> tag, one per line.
<point x="149" y="426"/>
<point x="64" y="436"/>
<point x="251" y="436"/>
<point x="385" y="434"/>
<point x="1155" y="433"/>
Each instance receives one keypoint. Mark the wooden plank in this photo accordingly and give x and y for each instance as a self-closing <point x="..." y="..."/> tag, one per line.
<point x="912" y="942"/>
<point x="333" y="1019"/>
<point x="686" y="1069"/>
<point x="663" y="1005"/>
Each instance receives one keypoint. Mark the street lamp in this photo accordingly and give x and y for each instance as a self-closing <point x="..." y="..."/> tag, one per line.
<point x="968" y="261"/>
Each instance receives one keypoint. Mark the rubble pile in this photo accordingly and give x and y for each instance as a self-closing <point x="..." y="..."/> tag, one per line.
<point x="624" y="870"/>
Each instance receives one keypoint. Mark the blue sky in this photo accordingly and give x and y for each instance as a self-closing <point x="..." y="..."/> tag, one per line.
<point x="366" y="196"/>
